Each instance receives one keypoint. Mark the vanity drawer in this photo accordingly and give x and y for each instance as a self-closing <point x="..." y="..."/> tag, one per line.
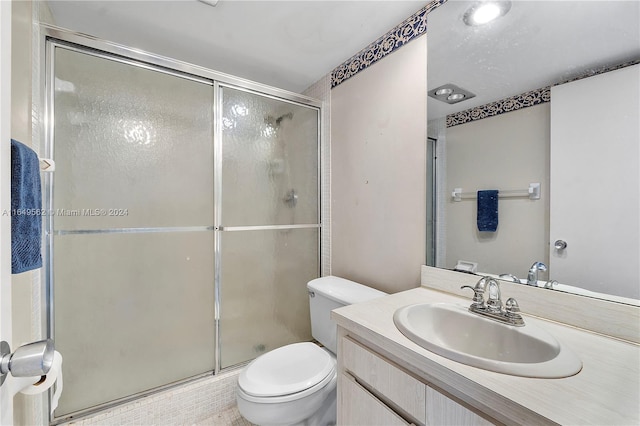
<point x="361" y="408"/>
<point x="393" y="385"/>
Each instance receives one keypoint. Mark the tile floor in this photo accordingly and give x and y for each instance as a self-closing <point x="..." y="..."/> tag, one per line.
<point x="228" y="417"/>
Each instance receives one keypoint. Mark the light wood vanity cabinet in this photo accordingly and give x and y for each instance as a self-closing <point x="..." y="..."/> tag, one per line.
<point x="385" y="378"/>
<point x="374" y="391"/>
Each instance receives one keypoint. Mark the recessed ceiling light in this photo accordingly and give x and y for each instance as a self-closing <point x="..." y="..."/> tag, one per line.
<point x="450" y="93"/>
<point x="444" y="91"/>
<point x="484" y="12"/>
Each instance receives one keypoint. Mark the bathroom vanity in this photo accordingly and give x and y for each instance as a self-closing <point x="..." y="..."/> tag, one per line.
<point x="386" y="379"/>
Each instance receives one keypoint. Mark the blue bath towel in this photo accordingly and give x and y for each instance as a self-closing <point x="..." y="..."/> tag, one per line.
<point x="488" y="210"/>
<point x="26" y="205"/>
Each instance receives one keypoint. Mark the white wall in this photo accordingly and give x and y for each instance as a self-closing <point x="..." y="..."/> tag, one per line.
<point x="378" y="171"/>
<point x="507" y="151"/>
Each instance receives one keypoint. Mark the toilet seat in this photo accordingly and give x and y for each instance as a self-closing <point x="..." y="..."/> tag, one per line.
<point x="328" y="382"/>
<point x="287" y="373"/>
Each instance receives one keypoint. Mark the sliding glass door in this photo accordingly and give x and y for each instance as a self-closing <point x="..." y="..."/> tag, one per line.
<point x="133" y="238"/>
<point x="268" y="222"/>
<point x="184" y="223"/>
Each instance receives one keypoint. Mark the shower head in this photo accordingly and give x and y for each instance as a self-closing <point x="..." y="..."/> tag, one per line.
<point x="275" y="122"/>
<point x="288" y="115"/>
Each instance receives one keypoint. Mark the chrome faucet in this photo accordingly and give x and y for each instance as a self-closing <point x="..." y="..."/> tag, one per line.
<point x="532" y="277"/>
<point x="493" y="308"/>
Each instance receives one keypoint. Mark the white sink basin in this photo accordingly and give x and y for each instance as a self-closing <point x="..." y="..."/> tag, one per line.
<point x="453" y="332"/>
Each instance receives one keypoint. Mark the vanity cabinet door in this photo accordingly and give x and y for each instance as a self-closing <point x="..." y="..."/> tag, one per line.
<point x="359" y="407"/>
<point x="443" y="411"/>
<point x="403" y="392"/>
<point x="375" y="391"/>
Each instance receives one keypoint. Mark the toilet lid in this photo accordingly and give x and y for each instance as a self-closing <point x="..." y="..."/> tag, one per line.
<point x="286" y="370"/>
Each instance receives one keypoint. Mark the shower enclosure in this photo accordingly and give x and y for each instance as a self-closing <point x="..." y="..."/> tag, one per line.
<point x="183" y="219"/>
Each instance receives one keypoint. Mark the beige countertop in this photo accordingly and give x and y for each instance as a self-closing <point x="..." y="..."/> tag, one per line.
<point x="605" y="392"/>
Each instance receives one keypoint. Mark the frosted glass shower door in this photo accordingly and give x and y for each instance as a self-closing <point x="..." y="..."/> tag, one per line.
<point x="132" y="224"/>
<point x="268" y="222"/>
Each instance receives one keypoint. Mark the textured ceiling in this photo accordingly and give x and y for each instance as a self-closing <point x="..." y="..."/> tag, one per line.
<point x="286" y="44"/>
<point x="292" y="44"/>
<point x="536" y="44"/>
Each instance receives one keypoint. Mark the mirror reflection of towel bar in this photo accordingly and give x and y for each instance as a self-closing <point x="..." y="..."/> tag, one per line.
<point x="533" y="192"/>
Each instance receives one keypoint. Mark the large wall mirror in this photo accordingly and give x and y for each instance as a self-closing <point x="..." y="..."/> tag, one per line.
<point x="543" y="105"/>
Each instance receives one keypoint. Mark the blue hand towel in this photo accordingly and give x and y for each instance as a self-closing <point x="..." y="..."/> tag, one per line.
<point x="26" y="205"/>
<point x="488" y="210"/>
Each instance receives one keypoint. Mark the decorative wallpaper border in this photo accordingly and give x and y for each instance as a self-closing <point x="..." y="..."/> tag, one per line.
<point x="524" y="100"/>
<point x="513" y="103"/>
<point x="410" y="28"/>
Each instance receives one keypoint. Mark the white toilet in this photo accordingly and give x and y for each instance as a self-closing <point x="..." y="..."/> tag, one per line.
<point x="296" y="384"/>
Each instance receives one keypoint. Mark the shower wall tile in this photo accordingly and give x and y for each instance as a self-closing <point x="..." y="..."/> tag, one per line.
<point x="200" y="402"/>
<point x="322" y="90"/>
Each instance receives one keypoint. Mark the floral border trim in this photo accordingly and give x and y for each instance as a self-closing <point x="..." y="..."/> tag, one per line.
<point x="410" y="28"/>
<point x="524" y="100"/>
<point x="513" y="103"/>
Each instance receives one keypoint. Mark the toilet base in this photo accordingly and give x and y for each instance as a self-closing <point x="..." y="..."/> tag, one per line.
<point x="326" y="415"/>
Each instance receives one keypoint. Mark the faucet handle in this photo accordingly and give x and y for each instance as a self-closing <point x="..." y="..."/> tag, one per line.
<point x="512" y="310"/>
<point x="478" y="296"/>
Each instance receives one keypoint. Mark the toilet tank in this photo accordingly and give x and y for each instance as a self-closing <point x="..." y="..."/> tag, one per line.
<point x="327" y="294"/>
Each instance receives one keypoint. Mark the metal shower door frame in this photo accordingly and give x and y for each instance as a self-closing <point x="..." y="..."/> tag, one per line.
<point x="52" y="37"/>
<point x="219" y="227"/>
